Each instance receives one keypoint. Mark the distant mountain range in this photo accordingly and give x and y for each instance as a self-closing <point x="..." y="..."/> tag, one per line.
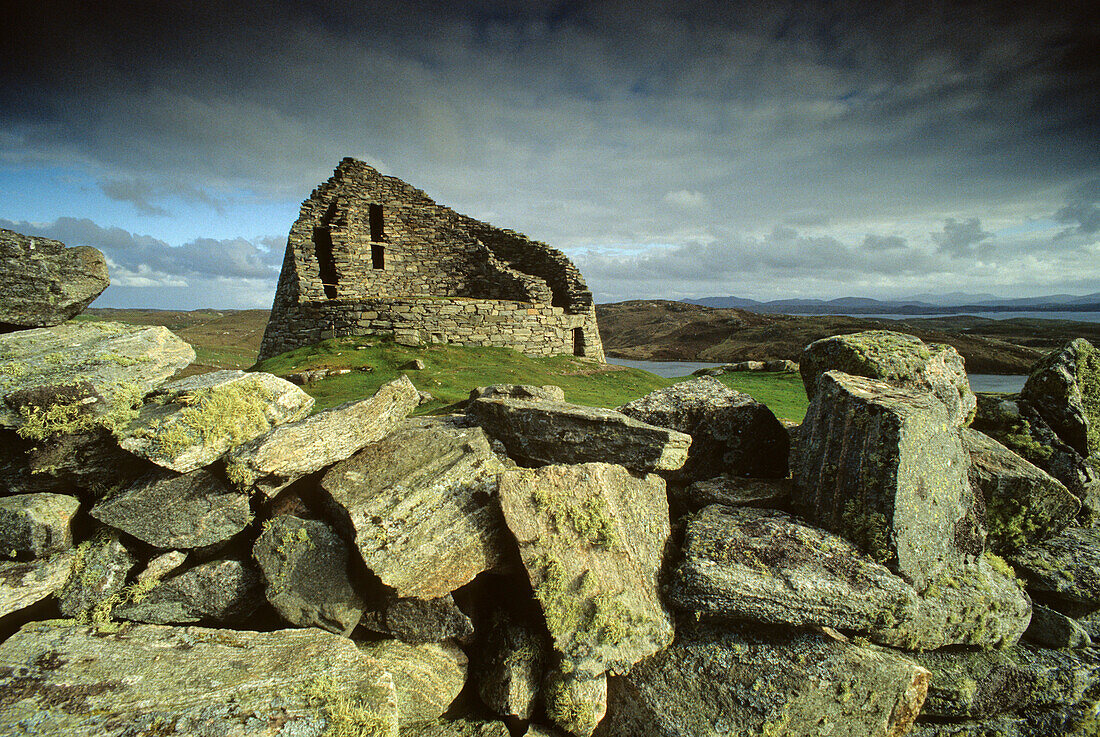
<point x="923" y="304"/>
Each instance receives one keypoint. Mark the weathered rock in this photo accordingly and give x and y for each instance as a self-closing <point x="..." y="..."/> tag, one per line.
<point x="420" y="621"/>
<point x="884" y="467"/>
<point x="741" y="681"/>
<point x="415" y="364"/>
<point x="576" y="703"/>
<point x="421" y="506"/>
<point x="427" y="677"/>
<point x="1023" y="503"/>
<point x="541" y="432"/>
<point x="162" y="565"/>
<point x="70" y="680"/>
<point x="223" y="592"/>
<point x="43" y="283"/>
<point x="592" y="538"/>
<point x="509" y="661"/>
<point x="458" y="728"/>
<point x="763" y="565"/>
<point x="89" y="461"/>
<point x="274" y="460"/>
<point x="1001" y="726"/>
<point x="549" y="392"/>
<point x="982" y="683"/>
<point x="974" y="683"/>
<point x="976" y="602"/>
<point x="1049" y="628"/>
<point x="1066" y="566"/>
<point x="1018" y="425"/>
<point x="898" y="359"/>
<point x="305" y="565"/>
<point x="190" y="423"/>
<point x="36" y="525"/>
<point x="730" y="432"/>
<point x="120" y="362"/>
<point x="23" y="584"/>
<point x="734" y="491"/>
<point x="99" y="574"/>
<point x="169" y="510"/>
<point x="1090" y="623"/>
<point x="1064" y="387"/>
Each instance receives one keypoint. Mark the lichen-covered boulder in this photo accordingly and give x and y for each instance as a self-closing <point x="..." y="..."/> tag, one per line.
<point x="36" y="525"/>
<point x="896" y="358"/>
<point x="223" y="592"/>
<point x="763" y="565"/>
<point x="541" y="432"/>
<point x="1065" y="567"/>
<point x="421" y="506"/>
<point x="70" y="680"/>
<point x="284" y="454"/>
<point x="730" y="432"/>
<point x="457" y="728"/>
<point x="170" y="510"/>
<point x="510" y="657"/>
<point x="1064" y="387"/>
<point x="106" y="367"/>
<point x="305" y="564"/>
<point x="548" y="392"/>
<point x="190" y="423"/>
<point x="43" y="283"/>
<point x="99" y="574"/>
<point x="1050" y="628"/>
<point x="1023" y="503"/>
<point x="884" y="467"/>
<point x="25" y="583"/>
<point x="592" y="538"/>
<point x="742" y="680"/>
<point x="427" y="678"/>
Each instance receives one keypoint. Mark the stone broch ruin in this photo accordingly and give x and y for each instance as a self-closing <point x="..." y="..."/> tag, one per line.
<point x="372" y="255"/>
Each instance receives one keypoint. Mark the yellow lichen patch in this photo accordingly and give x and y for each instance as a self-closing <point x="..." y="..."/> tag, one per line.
<point x="347" y="716"/>
<point x="590" y="518"/>
<point x="231" y="413"/>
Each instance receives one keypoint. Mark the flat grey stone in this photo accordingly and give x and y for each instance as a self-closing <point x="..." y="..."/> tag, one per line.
<point x="36" y="525"/>
<point x="305" y="564"/>
<point x="548" y="392"/>
<point x="23" y="584"/>
<point x="169" y="510"/>
<point x="222" y="592"/>
<point x="1066" y="566"/>
<point x="190" y="423"/>
<point x="70" y="680"/>
<point x="1049" y="628"/>
<point x="735" y="491"/>
<point x="730" y="432"/>
<point x="541" y="432"/>
<point x="744" y="681"/>
<point x="420" y="621"/>
<point x="284" y="454"/>
<point x="592" y="538"/>
<point x="43" y="283"/>
<point x="120" y="362"/>
<point x="421" y="506"/>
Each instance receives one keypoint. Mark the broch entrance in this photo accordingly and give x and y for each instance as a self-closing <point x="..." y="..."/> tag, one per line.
<point x="372" y="255"/>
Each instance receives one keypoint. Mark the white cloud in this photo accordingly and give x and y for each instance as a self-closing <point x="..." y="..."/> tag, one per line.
<point x="687" y="199"/>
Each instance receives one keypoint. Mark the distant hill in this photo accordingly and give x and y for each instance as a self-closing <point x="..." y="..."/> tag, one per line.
<point x="666" y="330"/>
<point x="920" y="304"/>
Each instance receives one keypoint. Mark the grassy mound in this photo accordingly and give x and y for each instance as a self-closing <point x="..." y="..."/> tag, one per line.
<point x="451" y="371"/>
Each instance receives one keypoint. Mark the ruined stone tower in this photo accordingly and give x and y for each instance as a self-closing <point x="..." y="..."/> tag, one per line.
<point x="372" y="255"/>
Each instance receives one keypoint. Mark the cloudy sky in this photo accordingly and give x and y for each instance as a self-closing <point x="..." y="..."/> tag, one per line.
<point x="672" y="149"/>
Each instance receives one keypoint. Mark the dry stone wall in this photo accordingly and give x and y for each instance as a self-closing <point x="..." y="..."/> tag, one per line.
<point x="372" y="255"/>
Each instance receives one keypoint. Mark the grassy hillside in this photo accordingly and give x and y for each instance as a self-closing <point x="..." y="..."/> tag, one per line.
<point x="664" y="330"/>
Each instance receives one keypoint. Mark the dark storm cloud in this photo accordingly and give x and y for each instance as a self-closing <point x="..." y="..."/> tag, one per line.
<point x="141" y="193"/>
<point x="1082" y="209"/>
<point x="960" y="238"/>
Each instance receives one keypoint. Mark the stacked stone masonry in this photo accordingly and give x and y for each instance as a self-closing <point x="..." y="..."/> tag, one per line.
<point x="372" y="255"/>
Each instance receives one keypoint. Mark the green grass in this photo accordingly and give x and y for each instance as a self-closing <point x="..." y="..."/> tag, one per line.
<point x="783" y="393"/>
<point x="451" y="371"/>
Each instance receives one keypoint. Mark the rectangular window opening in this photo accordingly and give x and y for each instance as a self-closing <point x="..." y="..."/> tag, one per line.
<point x="326" y="264"/>
<point x="377" y="235"/>
<point x="578" y="341"/>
